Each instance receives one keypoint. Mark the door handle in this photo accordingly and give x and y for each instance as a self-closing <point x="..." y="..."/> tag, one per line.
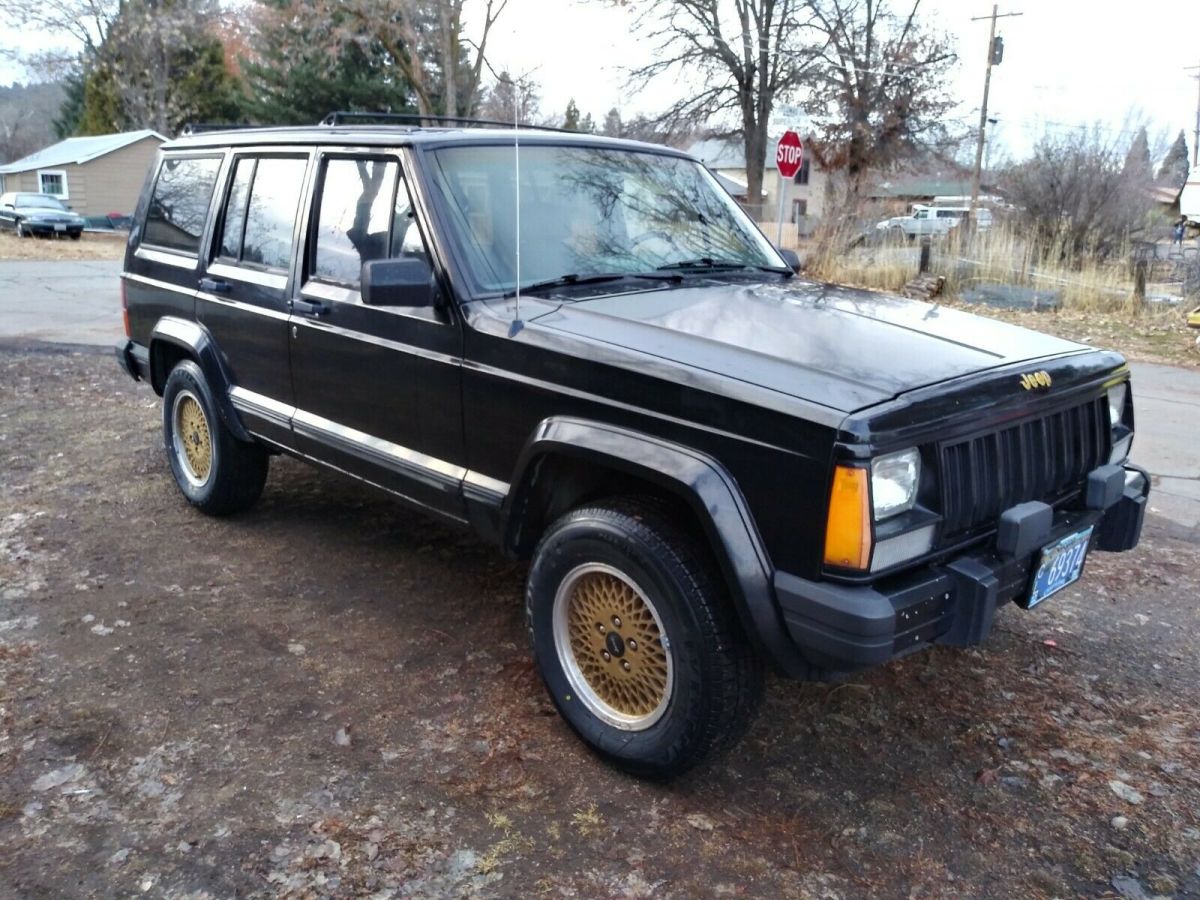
<point x="214" y="285"/>
<point x="309" y="307"/>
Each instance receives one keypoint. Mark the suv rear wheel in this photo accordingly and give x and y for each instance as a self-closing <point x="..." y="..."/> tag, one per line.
<point x="636" y="640"/>
<point x="217" y="473"/>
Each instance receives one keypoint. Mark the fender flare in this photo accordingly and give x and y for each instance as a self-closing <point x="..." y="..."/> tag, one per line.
<point x="699" y="480"/>
<point x="197" y="342"/>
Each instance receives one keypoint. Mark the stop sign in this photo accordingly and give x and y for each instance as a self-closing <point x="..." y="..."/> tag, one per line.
<point x="789" y="154"/>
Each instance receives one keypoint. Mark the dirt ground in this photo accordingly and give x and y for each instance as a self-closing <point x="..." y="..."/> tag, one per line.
<point x="89" y="246"/>
<point x="331" y="696"/>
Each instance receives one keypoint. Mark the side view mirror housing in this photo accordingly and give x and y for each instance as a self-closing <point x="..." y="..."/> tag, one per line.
<point x="792" y="258"/>
<point x="397" y="282"/>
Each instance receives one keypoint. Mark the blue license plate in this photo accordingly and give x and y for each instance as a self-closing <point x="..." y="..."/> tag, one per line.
<point x="1059" y="564"/>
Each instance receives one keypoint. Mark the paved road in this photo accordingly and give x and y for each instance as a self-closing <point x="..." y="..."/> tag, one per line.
<point x="78" y="302"/>
<point x="64" y="301"/>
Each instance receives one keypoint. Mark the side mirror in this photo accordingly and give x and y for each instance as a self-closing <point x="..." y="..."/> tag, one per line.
<point x="397" y="282"/>
<point x="792" y="258"/>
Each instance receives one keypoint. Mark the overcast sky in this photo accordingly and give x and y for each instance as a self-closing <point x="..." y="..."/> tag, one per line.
<point x="1066" y="63"/>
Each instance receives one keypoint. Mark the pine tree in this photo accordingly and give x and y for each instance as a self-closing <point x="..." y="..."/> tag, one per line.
<point x="69" y="114"/>
<point x="1174" y="169"/>
<point x="1137" y="160"/>
<point x="613" y="127"/>
<point x="571" y="119"/>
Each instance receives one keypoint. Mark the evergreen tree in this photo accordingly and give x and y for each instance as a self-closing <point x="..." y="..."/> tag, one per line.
<point x="66" y="123"/>
<point x="159" y="66"/>
<point x="1174" y="169"/>
<point x="613" y="127"/>
<point x="571" y="119"/>
<point x="587" y="125"/>
<point x="1137" y="160"/>
<point x="296" y="80"/>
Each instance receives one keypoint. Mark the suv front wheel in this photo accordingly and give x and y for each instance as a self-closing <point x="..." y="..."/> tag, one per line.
<point x="636" y="641"/>
<point x="217" y="473"/>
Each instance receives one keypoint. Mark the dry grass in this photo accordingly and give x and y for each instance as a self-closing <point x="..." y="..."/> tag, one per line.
<point x="999" y="255"/>
<point x="1097" y="297"/>
<point x="90" y="246"/>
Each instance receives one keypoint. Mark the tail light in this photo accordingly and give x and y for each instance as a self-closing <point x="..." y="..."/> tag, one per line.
<point x="125" y="309"/>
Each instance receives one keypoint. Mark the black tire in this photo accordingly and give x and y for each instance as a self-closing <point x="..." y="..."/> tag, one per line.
<point x="76" y="235"/>
<point x="224" y="475"/>
<point x="714" y="680"/>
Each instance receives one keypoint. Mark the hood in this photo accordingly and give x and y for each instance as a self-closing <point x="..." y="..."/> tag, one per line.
<point x="838" y="347"/>
<point x="49" y="212"/>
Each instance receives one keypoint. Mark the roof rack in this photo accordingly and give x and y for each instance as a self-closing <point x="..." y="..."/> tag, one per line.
<point x="417" y="119"/>
<point x="201" y="127"/>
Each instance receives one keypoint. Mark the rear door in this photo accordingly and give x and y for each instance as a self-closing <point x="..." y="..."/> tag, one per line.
<point x="244" y="290"/>
<point x="162" y="272"/>
<point x="377" y="389"/>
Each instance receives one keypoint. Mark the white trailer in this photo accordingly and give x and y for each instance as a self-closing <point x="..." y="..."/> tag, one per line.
<point x="1189" y="200"/>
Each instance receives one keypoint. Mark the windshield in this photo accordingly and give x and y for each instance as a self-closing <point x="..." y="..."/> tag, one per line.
<point x="589" y="211"/>
<point x="42" y="201"/>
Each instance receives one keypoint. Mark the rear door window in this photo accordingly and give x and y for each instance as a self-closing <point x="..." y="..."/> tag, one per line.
<point x="179" y="202"/>
<point x="260" y="212"/>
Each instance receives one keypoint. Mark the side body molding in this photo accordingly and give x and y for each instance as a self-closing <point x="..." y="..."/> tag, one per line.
<point x="196" y="342"/>
<point x="695" y="478"/>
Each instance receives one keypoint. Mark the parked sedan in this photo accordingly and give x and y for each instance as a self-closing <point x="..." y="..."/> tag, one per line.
<point x="39" y="214"/>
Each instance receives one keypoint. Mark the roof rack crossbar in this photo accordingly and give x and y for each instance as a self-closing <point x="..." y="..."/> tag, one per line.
<point x="417" y="119"/>
<point x="201" y="127"/>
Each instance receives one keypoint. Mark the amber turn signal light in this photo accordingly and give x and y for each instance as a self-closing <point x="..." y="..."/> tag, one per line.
<point x="848" y="528"/>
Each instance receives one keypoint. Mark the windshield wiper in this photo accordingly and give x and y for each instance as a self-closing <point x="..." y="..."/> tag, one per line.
<point x="711" y="264"/>
<point x="574" y="278"/>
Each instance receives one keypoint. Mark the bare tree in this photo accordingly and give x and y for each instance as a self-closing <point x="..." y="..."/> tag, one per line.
<point x="83" y="23"/>
<point x="426" y="40"/>
<point x="1078" y="197"/>
<point x="747" y="54"/>
<point x="512" y="98"/>
<point x="878" y="94"/>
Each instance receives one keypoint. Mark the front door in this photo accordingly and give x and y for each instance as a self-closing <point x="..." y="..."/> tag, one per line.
<point x="377" y="389"/>
<point x="243" y="296"/>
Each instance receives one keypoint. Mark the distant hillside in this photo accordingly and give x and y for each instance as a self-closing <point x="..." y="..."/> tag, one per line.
<point x="27" y="118"/>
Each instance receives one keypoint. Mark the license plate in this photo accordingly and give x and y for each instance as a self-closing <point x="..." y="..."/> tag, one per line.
<point x="1059" y="565"/>
<point x="60" y="227"/>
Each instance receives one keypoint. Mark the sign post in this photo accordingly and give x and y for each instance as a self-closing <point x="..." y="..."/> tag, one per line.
<point x="789" y="154"/>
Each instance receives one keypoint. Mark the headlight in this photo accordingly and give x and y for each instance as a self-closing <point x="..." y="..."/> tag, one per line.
<point x="1122" y="435"/>
<point x="894" y="480"/>
<point x="1116" y="403"/>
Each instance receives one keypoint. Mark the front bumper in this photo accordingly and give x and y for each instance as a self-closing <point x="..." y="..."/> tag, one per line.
<point x="53" y="228"/>
<point x="840" y="628"/>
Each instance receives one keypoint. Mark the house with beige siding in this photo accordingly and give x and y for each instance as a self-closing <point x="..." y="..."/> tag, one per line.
<point x="95" y="176"/>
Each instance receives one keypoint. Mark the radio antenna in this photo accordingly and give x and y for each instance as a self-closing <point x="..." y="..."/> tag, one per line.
<point x="517" y="324"/>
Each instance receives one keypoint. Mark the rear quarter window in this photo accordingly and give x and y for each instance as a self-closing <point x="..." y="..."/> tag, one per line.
<point x="179" y="202"/>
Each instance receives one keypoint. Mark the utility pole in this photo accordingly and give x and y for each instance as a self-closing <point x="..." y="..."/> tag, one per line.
<point x="1196" y="133"/>
<point x="993" y="58"/>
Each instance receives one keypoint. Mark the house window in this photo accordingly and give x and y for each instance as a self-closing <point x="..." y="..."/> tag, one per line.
<point x="53" y="183"/>
<point x="799" y="210"/>
<point x="802" y="175"/>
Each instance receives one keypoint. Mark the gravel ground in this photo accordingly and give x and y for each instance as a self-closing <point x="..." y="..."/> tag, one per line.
<point x="331" y="696"/>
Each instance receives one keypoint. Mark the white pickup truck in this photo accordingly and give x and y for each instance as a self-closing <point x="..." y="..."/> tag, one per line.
<point x="933" y="220"/>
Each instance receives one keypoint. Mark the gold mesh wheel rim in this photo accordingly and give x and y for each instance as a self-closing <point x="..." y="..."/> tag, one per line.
<point x="613" y="647"/>
<point x="192" y="438"/>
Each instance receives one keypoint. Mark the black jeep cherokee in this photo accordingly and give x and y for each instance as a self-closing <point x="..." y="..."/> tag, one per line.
<point x="585" y="351"/>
